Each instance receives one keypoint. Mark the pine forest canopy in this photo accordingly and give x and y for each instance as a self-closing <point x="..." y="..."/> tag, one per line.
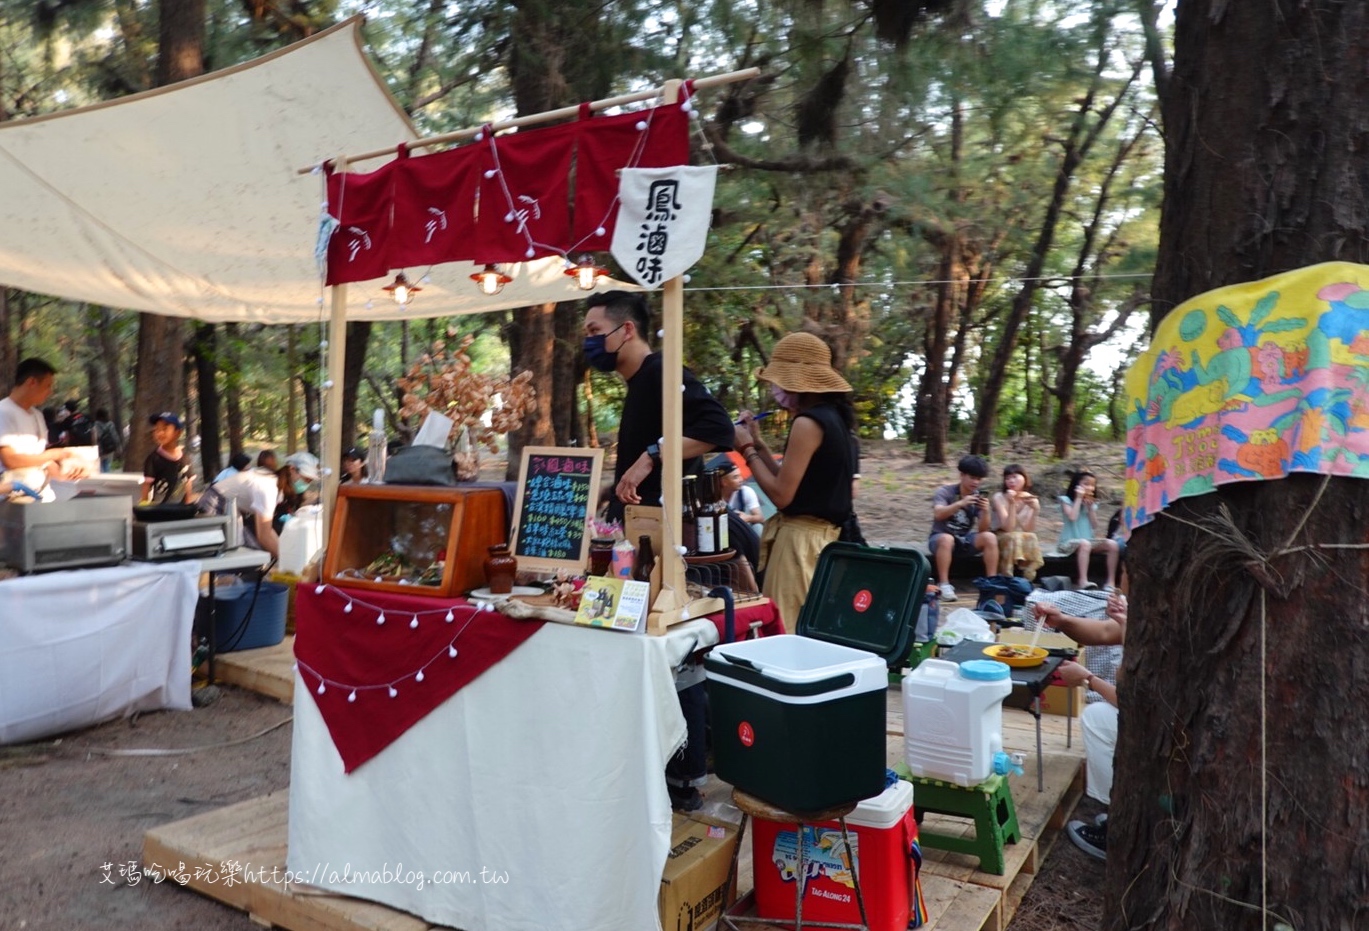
<point x="960" y="197"/>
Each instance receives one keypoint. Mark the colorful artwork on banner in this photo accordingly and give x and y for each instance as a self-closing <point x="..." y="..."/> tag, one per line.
<point x="1251" y="382"/>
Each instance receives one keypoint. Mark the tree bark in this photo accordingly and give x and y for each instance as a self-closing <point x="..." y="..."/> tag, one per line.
<point x="531" y="337"/>
<point x="358" y="339"/>
<point x="567" y="367"/>
<point x="161" y="340"/>
<point x="1238" y="655"/>
<point x="205" y="352"/>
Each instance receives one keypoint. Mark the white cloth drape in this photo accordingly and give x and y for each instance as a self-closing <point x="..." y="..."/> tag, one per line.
<point x="86" y="645"/>
<point x="546" y="773"/>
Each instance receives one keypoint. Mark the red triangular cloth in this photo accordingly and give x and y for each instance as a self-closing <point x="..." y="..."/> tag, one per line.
<point x="359" y="661"/>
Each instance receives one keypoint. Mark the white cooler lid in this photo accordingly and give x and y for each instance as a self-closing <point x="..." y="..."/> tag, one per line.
<point x="884" y="810"/>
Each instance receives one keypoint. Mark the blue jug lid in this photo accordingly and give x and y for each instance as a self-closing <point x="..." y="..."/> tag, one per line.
<point x="986" y="670"/>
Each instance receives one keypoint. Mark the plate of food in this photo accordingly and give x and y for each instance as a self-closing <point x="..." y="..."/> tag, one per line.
<point x="1018" y="655"/>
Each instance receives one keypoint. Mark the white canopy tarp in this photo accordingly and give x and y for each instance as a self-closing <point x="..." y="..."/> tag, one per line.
<point x="187" y="201"/>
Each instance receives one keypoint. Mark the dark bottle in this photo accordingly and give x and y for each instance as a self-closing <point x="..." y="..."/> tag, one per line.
<point x="689" y="524"/>
<point x="707" y="519"/>
<point x="646" y="560"/>
<point x="720" y="510"/>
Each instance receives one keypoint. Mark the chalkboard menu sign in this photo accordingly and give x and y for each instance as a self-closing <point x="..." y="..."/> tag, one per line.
<point x="558" y="489"/>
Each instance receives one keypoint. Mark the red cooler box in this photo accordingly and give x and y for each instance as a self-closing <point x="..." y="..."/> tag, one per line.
<point x="883" y="831"/>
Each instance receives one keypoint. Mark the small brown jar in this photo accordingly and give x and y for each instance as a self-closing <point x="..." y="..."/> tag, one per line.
<point x="500" y="569"/>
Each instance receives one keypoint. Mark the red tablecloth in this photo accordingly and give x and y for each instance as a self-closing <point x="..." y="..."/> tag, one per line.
<point x="373" y="680"/>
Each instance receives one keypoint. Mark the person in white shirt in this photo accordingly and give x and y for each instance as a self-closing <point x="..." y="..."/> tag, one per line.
<point x="257" y="492"/>
<point x="24" y="452"/>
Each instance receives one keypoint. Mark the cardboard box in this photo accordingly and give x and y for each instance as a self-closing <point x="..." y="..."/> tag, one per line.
<point x="695" y="880"/>
<point x="1056" y="698"/>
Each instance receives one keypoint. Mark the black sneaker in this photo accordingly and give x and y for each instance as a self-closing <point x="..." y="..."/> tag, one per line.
<point x="1090" y="838"/>
<point x="685" y="799"/>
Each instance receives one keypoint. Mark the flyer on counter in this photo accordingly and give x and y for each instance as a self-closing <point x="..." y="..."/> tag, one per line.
<point x="620" y="604"/>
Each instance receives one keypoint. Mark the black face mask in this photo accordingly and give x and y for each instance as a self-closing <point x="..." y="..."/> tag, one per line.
<point x="599" y="358"/>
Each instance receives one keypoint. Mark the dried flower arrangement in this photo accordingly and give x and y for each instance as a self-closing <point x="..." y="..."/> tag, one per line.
<point x="443" y="381"/>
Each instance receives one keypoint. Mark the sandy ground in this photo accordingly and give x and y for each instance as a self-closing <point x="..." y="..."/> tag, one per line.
<point x="73" y="810"/>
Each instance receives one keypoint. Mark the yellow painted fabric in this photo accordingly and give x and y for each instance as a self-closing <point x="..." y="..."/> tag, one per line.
<point x="1251" y="382"/>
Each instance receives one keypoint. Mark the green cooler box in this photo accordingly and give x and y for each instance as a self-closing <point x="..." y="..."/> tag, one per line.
<point x="799" y="720"/>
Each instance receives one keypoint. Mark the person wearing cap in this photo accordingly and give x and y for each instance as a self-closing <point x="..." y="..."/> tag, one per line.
<point x="813" y="486"/>
<point x="168" y="476"/>
<point x="354" y="466"/>
<point x="294" y="478"/>
<point x="24" y="453"/>
<point x="616" y="328"/>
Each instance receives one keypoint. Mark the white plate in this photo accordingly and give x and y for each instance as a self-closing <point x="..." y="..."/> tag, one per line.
<point x="486" y="595"/>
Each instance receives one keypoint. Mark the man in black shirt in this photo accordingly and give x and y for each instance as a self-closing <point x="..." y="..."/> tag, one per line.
<point x="616" y="328"/>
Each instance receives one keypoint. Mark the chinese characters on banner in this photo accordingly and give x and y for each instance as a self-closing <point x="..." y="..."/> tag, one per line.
<point x="1251" y="382"/>
<point x="662" y="221"/>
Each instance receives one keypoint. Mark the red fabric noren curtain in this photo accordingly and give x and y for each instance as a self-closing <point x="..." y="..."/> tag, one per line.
<point x="361" y="203"/>
<point x="434" y="215"/>
<point x="529" y="197"/>
<point x="608" y="144"/>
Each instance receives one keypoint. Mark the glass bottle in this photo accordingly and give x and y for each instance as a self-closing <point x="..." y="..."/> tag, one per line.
<point x="646" y="560"/>
<point x="689" y="524"/>
<point x="708" y="521"/>
<point x="720" y="511"/>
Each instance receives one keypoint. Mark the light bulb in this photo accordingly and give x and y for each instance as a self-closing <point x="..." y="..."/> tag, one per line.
<point x="380" y="619"/>
<point x="393" y="692"/>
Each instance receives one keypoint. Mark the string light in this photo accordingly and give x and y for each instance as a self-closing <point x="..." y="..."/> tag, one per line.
<point x="353" y="689"/>
<point x="586" y="273"/>
<point x="401" y="292"/>
<point x="490" y="280"/>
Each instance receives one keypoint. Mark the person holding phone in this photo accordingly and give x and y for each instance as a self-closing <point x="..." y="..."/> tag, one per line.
<point x="960" y="524"/>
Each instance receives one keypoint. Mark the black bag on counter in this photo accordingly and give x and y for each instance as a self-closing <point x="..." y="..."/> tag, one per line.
<point x="419" y="465"/>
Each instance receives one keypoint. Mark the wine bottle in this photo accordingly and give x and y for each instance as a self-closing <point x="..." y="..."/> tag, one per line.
<point x="707" y="535"/>
<point x="689" y="523"/>
<point x="646" y="560"/>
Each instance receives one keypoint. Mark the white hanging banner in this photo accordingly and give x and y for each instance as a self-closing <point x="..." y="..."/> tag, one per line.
<point x="663" y="216"/>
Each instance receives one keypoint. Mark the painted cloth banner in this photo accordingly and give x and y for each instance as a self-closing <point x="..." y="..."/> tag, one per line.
<point x="1251" y="382"/>
<point x="663" y="217"/>
<point x="434" y="206"/>
<point x="608" y="144"/>
<point x="361" y="204"/>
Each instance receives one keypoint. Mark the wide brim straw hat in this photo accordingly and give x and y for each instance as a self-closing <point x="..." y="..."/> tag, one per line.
<point x="802" y="364"/>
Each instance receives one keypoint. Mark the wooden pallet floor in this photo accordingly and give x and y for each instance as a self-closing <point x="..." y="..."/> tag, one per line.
<point x="959" y="896"/>
<point x="267" y="671"/>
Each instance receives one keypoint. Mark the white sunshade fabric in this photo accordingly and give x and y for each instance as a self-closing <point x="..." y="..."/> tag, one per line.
<point x="187" y="201"/>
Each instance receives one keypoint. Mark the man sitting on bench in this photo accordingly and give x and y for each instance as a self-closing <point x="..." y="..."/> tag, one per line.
<point x="960" y="524"/>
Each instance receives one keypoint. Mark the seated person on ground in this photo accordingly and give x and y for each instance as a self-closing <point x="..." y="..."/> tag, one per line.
<point x="1079" y="533"/>
<point x="1014" y="521"/>
<point x="960" y="524"/>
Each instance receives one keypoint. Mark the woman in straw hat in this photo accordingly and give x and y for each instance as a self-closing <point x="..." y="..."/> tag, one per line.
<point x="812" y="487"/>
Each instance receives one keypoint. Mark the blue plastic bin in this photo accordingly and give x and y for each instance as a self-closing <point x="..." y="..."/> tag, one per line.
<point x="265" y="628"/>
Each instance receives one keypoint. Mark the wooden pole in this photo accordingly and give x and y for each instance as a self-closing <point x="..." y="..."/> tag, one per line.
<point x="331" y="398"/>
<point x="564" y="113"/>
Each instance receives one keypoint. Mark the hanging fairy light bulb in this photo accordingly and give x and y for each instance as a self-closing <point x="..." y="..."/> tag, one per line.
<point x="586" y="273"/>
<point x="490" y="280"/>
<point x="400" y="291"/>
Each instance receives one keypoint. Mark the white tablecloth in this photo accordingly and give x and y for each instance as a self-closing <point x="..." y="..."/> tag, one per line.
<point x="85" y="645"/>
<point x="534" y="799"/>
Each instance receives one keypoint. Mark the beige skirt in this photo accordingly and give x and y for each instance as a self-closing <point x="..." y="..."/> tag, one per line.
<point x="790" y="548"/>
<point x="1019" y="549"/>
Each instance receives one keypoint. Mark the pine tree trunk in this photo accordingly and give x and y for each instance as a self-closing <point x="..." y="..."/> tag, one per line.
<point x="567" y="366"/>
<point x="1237" y="655"/>
<point x="531" y="341"/>
<point x="358" y="339"/>
<point x="205" y="353"/>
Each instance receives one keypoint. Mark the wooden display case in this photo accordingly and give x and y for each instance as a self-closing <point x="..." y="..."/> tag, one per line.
<point x="422" y="523"/>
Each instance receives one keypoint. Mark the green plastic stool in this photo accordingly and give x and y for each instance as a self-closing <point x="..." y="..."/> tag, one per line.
<point x="989" y="804"/>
